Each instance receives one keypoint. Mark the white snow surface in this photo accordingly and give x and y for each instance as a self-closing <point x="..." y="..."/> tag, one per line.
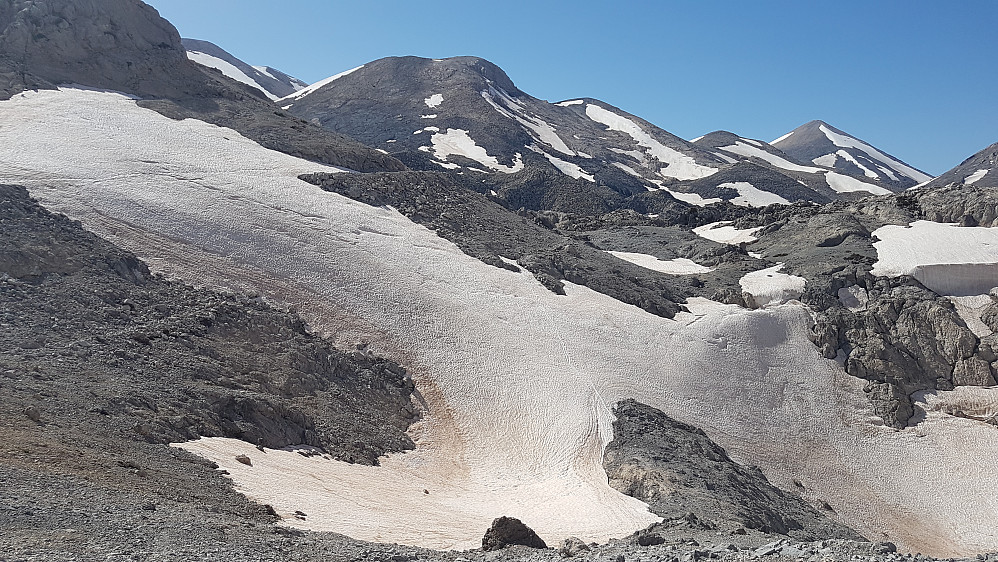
<point x="849" y="142"/>
<point x="769" y="287"/>
<point x="570" y="103"/>
<point x="518" y="381"/>
<point x="866" y="171"/>
<point x="434" y="100"/>
<point x="842" y="183"/>
<point x="975" y="177"/>
<point x="751" y="196"/>
<point x="542" y="131"/>
<point x="228" y="69"/>
<point x="678" y="165"/>
<point x="569" y="169"/>
<point x="457" y="142"/>
<point x="747" y="150"/>
<point x="781" y="139"/>
<point x="947" y="258"/>
<point x="724" y="233"/>
<point x="828" y="160"/>
<point x="313" y="87"/>
<point x="676" y="266"/>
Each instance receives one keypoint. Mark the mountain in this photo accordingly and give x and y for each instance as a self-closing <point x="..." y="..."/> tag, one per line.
<point x="274" y="83"/>
<point x="821" y="144"/>
<point x="229" y="332"/>
<point x="978" y="170"/>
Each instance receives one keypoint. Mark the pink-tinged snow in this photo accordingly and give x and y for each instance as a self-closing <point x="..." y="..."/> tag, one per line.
<point x="749" y="151"/>
<point x="678" y="165"/>
<point x="313" y="87"/>
<point x="542" y="131"/>
<point x="457" y="142"/>
<point x="675" y="266"/>
<point x="975" y="177"/>
<point x="769" y="287"/>
<point x="518" y="382"/>
<point x="751" y="196"/>
<point x="849" y="142"/>
<point x="434" y="100"/>
<point x="724" y="233"/>
<point x="227" y="69"/>
<point x="841" y="183"/>
<point x="947" y="258"/>
<point x="569" y="169"/>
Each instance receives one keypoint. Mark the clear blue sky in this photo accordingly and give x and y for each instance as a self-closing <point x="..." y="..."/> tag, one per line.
<point x="918" y="79"/>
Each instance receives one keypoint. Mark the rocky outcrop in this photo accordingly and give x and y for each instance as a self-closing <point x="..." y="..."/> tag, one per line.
<point x="510" y="531"/>
<point x="682" y="475"/>
<point x="161" y="362"/>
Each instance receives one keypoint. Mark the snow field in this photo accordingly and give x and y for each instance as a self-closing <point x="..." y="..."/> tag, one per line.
<point x="519" y="382"/>
<point x="434" y="100"/>
<point x="678" y="165"/>
<point x="457" y="142"/>
<point x="748" y="151"/>
<point x="725" y="234"/>
<point x="542" y="131"/>
<point x="751" y="196"/>
<point x="569" y="169"/>
<point x="313" y="87"/>
<point x="975" y="177"/>
<point x="842" y="183"/>
<point x="229" y="70"/>
<point x="947" y="258"/>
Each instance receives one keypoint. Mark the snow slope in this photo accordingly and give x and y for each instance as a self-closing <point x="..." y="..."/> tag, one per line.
<point x="518" y="382"/>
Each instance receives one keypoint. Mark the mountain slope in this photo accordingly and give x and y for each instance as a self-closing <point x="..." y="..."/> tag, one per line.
<point x="979" y="170"/>
<point x="274" y="83"/>
<point x="819" y="143"/>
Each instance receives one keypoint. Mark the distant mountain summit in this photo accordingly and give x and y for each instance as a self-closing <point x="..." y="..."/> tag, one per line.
<point x="819" y="143"/>
<point x="272" y="82"/>
<point x="980" y="170"/>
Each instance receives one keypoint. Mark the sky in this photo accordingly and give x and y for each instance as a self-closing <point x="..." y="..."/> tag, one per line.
<point x="917" y="79"/>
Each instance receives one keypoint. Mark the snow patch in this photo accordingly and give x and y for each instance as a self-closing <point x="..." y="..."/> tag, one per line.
<point x="751" y="196"/>
<point x="849" y="142"/>
<point x="228" y="69"/>
<point x="570" y="103"/>
<point x="842" y="183"/>
<point x="428" y="116"/>
<point x="781" y="139"/>
<point x="434" y="100"/>
<point x="769" y="287"/>
<point x="678" y="165"/>
<point x="749" y="151"/>
<point x="723" y="233"/>
<point x="569" y="169"/>
<point x="312" y="88"/>
<point x="676" y="266"/>
<point x="543" y="132"/>
<point x="827" y="160"/>
<point x="849" y="158"/>
<point x="975" y="177"/>
<point x="457" y="142"/>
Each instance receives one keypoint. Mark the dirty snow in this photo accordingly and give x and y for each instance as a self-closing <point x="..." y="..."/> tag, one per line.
<point x="676" y="266"/>
<point x="457" y="142"/>
<point x="312" y="88"/>
<point x="842" y="183"/>
<point x="227" y="69"/>
<point x="975" y="177"/>
<point x="679" y="165"/>
<point x="434" y="100"/>
<point x="751" y="196"/>
<point x="482" y="342"/>
<point x="748" y="151"/>
<point x="947" y="258"/>
<point x="769" y="287"/>
<point x="849" y="142"/>
<point x="724" y="233"/>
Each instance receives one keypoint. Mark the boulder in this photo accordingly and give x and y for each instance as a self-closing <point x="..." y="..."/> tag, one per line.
<point x="509" y="531"/>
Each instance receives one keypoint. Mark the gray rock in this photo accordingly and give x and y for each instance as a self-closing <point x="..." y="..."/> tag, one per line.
<point x="572" y="546"/>
<point x="510" y="531"/>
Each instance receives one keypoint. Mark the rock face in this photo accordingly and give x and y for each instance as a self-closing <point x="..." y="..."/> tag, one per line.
<point x="159" y="362"/>
<point x="682" y="475"/>
<point x="979" y="171"/>
<point x="510" y="531"/>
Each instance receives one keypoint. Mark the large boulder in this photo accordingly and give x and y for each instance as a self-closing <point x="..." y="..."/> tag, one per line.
<point x="509" y="531"/>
